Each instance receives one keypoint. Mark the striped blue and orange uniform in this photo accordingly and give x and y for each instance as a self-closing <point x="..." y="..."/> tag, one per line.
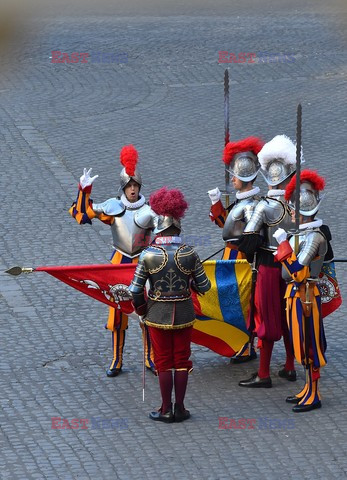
<point x="316" y="342"/>
<point x="82" y="211"/>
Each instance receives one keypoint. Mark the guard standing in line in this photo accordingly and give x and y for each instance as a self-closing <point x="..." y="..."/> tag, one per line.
<point x="301" y="271"/>
<point x="278" y="163"/>
<point x="131" y="221"/>
<point x="242" y="162"/>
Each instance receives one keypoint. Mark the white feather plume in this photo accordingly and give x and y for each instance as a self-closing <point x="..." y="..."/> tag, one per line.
<point x="280" y="147"/>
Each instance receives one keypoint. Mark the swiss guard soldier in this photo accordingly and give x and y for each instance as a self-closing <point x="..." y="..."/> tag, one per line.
<point x="172" y="269"/>
<point x="242" y="161"/>
<point x="277" y="159"/>
<point x="131" y="221"/>
<point x="301" y="271"/>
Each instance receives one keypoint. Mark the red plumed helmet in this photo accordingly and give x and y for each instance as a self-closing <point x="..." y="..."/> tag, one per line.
<point x="249" y="144"/>
<point x="310" y="176"/>
<point x="129" y="158"/>
<point x="169" y="203"/>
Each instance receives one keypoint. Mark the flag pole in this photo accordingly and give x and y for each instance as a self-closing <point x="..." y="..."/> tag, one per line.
<point x="144" y="361"/>
<point x="226" y="132"/>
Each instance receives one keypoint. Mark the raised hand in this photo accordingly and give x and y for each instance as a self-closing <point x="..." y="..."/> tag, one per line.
<point x="86" y="180"/>
<point x="214" y="195"/>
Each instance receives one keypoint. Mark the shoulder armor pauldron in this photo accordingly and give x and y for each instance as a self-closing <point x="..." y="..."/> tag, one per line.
<point x="112" y="206"/>
<point x="275" y="220"/>
<point x="156" y="258"/>
<point x="145" y="217"/>
<point x="185" y="259"/>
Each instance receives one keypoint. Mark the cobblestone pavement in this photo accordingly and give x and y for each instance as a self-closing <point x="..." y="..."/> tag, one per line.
<point x="167" y="99"/>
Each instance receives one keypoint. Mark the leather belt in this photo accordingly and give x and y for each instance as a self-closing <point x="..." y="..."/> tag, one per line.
<point x="159" y="295"/>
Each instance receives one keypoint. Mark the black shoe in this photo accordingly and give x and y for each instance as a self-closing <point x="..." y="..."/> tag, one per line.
<point x="153" y="370"/>
<point x="113" y="372"/>
<point x="236" y="359"/>
<point x="167" y="417"/>
<point x="293" y="399"/>
<point x="290" y="375"/>
<point x="256" y="382"/>
<point x="181" y="414"/>
<point x="307" y="408"/>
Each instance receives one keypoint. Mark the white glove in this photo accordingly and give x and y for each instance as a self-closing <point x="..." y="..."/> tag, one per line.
<point x="280" y="235"/>
<point x="86" y="180"/>
<point x="214" y="195"/>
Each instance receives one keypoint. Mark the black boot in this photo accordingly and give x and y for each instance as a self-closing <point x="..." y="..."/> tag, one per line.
<point x="181" y="413"/>
<point x="307" y="408"/>
<point x="294" y="399"/>
<point x="113" y="372"/>
<point x="290" y="375"/>
<point x="256" y="382"/>
<point x="164" y="414"/>
<point x="243" y="358"/>
<point x="239" y="357"/>
<point x="167" y="417"/>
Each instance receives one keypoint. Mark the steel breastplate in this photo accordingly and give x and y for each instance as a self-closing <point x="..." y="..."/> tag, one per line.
<point x="127" y="236"/>
<point x="237" y="218"/>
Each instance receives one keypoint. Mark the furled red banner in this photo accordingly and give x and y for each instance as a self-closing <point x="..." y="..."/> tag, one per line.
<point x="105" y="283"/>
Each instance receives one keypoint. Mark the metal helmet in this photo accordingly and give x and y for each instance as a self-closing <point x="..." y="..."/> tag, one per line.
<point x="310" y="186"/>
<point x="129" y="158"/>
<point x="245" y="166"/>
<point x="277" y="171"/>
<point x="165" y="221"/>
<point x="170" y="207"/>
<point x="125" y="178"/>
<point x="241" y="157"/>
<point x="278" y="160"/>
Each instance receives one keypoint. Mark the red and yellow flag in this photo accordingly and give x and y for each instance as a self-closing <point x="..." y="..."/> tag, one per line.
<point x="220" y="314"/>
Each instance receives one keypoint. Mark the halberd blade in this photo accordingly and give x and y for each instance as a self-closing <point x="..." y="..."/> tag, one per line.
<point x="18" y="270"/>
<point x="14" y="271"/>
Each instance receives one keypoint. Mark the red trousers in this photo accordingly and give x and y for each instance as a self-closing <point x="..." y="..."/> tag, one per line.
<point x="171" y="348"/>
<point x="270" y="305"/>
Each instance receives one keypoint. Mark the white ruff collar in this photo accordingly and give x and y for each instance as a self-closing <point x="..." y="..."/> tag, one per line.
<point x="249" y="193"/>
<point x="168" y="240"/>
<point x="275" y="193"/>
<point x="132" y="205"/>
<point x="315" y="224"/>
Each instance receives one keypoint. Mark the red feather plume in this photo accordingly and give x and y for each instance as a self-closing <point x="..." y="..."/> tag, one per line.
<point x="318" y="182"/>
<point x="249" y="144"/>
<point x="168" y="202"/>
<point x="128" y="158"/>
